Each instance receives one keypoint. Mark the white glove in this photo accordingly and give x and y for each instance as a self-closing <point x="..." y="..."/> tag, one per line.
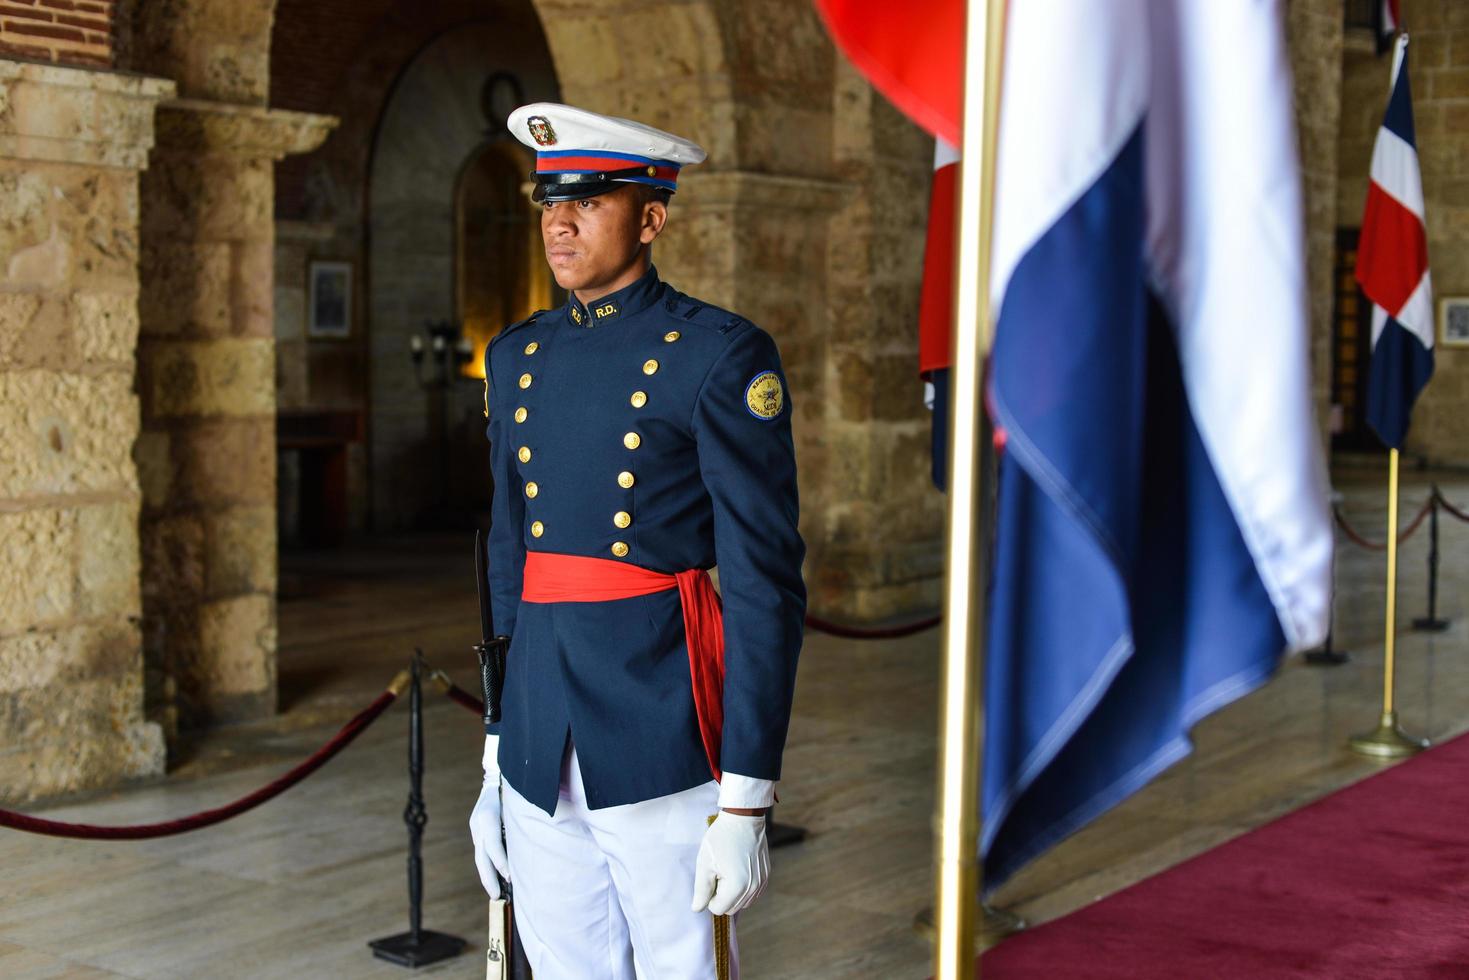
<point x="733" y="864"/>
<point x="485" y="824"/>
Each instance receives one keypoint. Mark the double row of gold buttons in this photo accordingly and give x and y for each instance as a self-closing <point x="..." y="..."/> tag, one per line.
<point x="625" y="479"/>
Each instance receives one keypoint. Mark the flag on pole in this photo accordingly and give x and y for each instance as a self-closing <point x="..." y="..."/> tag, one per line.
<point x="1162" y="535"/>
<point x="1388" y="20"/>
<point x="936" y="301"/>
<point x="1392" y="267"/>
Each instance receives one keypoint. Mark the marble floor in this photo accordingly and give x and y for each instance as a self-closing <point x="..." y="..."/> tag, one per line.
<point x="298" y="887"/>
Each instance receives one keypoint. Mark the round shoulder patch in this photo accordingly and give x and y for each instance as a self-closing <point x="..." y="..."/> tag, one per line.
<point x="764" y="396"/>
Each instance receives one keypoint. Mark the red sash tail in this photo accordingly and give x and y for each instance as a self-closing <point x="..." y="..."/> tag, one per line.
<point x="577" y="578"/>
<point x="703" y="625"/>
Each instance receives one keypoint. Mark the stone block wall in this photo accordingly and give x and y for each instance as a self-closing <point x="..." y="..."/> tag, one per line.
<point x="1314" y="36"/>
<point x="75" y="32"/>
<point x="1438" y="70"/>
<point x="883" y="519"/>
<point x="206" y="380"/>
<point x="71" y="671"/>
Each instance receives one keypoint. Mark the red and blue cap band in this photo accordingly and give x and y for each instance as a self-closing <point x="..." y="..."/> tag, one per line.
<point x="606" y="165"/>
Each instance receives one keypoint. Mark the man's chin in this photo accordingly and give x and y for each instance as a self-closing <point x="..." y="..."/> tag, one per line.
<point x="568" y="279"/>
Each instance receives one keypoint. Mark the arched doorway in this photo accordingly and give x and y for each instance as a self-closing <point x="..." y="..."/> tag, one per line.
<point x="447" y="230"/>
<point x="499" y="273"/>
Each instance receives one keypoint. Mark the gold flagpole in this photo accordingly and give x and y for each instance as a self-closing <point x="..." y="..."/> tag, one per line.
<point x="957" y="816"/>
<point x="1388" y="740"/>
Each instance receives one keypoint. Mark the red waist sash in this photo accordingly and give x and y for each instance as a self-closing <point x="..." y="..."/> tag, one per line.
<point x="577" y="578"/>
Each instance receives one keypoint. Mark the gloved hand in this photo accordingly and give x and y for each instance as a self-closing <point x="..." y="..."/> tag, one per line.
<point x="485" y="824"/>
<point x="733" y="864"/>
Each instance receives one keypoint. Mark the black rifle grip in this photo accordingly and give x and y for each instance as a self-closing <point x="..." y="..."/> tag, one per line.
<point x="492" y="674"/>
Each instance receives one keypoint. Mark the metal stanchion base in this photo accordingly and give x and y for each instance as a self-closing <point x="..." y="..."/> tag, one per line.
<point x="781" y="834"/>
<point x="1426" y="625"/>
<point x="429" y="947"/>
<point x="995" y="925"/>
<point x="1327" y="657"/>
<point x="1387" y="741"/>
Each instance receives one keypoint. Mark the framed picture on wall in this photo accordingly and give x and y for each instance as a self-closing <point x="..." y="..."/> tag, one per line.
<point x="1453" y="321"/>
<point x="330" y="300"/>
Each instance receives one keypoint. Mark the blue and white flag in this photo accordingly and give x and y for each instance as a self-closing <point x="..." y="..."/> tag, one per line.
<point x="1392" y="267"/>
<point x="1162" y="536"/>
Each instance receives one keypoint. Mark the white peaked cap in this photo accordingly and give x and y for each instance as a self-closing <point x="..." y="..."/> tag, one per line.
<point x="560" y="128"/>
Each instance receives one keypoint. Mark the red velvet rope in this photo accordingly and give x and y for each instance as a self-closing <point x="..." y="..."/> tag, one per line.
<point x="462" y="697"/>
<point x="1450" y="507"/>
<point x="1403" y="535"/>
<point x="206" y="818"/>
<point x="872" y="632"/>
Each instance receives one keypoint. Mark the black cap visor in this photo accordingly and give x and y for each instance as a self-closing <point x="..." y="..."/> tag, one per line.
<point x="575" y="186"/>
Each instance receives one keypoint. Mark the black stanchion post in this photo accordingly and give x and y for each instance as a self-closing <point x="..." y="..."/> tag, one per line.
<point x="781" y="834"/>
<point x="1431" y="623"/>
<point x="418" y="946"/>
<point x="1326" y="655"/>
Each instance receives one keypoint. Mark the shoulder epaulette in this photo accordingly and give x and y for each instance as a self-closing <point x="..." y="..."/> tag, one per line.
<point x="517" y="325"/>
<point x="720" y="320"/>
<point x="511" y="329"/>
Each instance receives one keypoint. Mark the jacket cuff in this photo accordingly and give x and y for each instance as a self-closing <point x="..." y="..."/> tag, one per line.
<point x="745" y="792"/>
<point x="490" y="761"/>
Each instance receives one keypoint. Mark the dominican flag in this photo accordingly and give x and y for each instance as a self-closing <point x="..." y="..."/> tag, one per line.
<point x="1162" y="534"/>
<point x="1388" y="21"/>
<point x="936" y="301"/>
<point x="1392" y="267"/>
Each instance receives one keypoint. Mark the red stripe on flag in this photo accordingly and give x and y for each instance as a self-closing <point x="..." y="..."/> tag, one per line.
<point x="936" y="303"/>
<point x="911" y="53"/>
<point x="1392" y="252"/>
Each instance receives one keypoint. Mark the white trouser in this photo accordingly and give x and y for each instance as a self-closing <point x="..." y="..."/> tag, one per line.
<point x="604" y="894"/>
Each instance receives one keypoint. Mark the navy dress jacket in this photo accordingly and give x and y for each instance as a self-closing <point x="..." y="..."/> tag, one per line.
<point x="653" y="429"/>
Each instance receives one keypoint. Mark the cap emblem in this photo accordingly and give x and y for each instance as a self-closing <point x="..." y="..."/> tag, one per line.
<point x="541" y="131"/>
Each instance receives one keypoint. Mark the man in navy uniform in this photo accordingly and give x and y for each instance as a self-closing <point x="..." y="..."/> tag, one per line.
<point x="637" y="438"/>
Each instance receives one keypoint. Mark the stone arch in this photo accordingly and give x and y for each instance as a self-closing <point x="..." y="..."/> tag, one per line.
<point x="665" y="64"/>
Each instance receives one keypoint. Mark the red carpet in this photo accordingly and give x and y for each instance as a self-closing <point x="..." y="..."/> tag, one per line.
<point x="1372" y="881"/>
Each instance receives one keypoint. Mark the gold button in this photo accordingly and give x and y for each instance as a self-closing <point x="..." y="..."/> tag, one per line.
<point x="619" y="548"/>
<point x="532" y="488"/>
<point x="650" y="366"/>
<point x="671" y="336"/>
<point x="524" y="454"/>
<point x="537" y="529"/>
<point x="652" y="171"/>
<point x="532" y="347"/>
<point x="520" y="414"/>
<point x="632" y="440"/>
<point x="639" y="399"/>
<point x="625" y="480"/>
<point x="622" y="518"/>
<point x="525" y="380"/>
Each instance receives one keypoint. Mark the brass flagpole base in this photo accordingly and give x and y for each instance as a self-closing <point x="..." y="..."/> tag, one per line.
<point x="1387" y="740"/>
<point x="996" y="924"/>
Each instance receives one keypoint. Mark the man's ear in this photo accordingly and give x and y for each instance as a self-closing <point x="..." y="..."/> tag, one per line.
<point x="655" y="216"/>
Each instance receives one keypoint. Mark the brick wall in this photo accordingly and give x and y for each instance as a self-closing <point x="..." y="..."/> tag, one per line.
<point x="76" y="32"/>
